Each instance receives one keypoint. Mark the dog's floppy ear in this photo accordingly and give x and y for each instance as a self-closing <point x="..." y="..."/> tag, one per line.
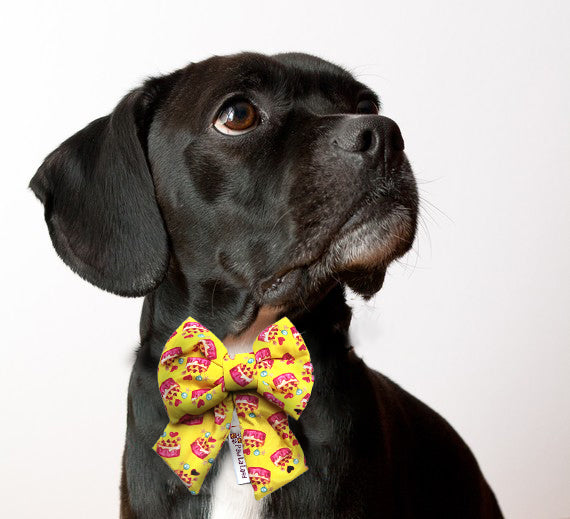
<point x="99" y="199"/>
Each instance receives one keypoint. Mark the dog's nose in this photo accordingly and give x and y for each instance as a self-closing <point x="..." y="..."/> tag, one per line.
<point x="373" y="135"/>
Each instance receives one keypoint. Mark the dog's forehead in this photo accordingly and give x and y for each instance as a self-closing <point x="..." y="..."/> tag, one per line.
<point x="292" y="77"/>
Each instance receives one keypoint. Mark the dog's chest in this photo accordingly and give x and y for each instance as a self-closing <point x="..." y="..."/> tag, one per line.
<point x="230" y="500"/>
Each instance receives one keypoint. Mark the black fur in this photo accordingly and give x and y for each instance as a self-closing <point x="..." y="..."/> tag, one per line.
<point x="152" y="200"/>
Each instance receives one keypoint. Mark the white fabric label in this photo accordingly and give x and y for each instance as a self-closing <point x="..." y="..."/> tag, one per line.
<point x="236" y="448"/>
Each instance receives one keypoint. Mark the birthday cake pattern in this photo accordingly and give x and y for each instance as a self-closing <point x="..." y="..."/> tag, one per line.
<point x="169" y="445"/>
<point x="201" y="386"/>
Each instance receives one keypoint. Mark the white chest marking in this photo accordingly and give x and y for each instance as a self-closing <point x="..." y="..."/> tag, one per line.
<point x="230" y="500"/>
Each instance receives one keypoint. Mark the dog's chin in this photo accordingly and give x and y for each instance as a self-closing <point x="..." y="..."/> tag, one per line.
<point x="357" y="255"/>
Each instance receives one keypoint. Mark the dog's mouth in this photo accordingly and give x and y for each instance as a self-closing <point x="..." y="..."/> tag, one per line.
<point x="365" y="244"/>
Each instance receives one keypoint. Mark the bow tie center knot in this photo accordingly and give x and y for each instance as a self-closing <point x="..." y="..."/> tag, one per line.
<point x="240" y="372"/>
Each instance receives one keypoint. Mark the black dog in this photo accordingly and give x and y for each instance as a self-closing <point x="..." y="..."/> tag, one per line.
<point x="239" y="190"/>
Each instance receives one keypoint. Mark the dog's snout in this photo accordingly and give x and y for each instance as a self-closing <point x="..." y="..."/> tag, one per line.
<point x="373" y="135"/>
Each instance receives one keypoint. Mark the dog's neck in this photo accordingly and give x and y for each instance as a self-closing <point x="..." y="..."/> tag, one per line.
<point x="229" y="309"/>
<point x="242" y="343"/>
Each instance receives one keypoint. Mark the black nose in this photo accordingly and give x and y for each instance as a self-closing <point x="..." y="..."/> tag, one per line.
<point x="375" y="136"/>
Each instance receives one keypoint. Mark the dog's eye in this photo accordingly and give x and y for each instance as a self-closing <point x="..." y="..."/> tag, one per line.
<point x="366" y="106"/>
<point x="237" y="117"/>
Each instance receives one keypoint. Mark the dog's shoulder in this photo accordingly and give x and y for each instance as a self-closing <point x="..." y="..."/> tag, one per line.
<point x="435" y="463"/>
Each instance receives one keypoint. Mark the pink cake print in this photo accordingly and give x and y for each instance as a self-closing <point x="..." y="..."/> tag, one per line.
<point x="304" y="400"/>
<point x="169" y="358"/>
<point x="187" y="478"/>
<point x="288" y="358"/>
<point x="285" y="383"/>
<point x="221" y="382"/>
<point x="273" y="399"/>
<point x="196" y="394"/>
<point x="242" y="374"/>
<point x="208" y="348"/>
<point x="280" y="423"/>
<point x="269" y="334"/>
<point x="170" y="392"/>
<point x="253" y="438"/>
<point x="188" y="419"/>
<point x="201" y="447"/>
<point x="220" y="412"/>
<point x="258" y="476"/>
<point x="263" y="359"/>
<point x="281" y="457"/>
<point x="308" y="372"/>
<point x="196" y="366"/>
<point x="192" y="328"/>
<point x="169" y="446"/>
<point x="246" y="404"/>
<point x="298" y="339"/>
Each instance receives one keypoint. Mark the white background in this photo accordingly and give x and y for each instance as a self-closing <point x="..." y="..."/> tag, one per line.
<point x="474" y="321"/>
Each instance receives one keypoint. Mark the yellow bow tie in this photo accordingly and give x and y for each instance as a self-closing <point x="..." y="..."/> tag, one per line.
<point x="201" y="385"/>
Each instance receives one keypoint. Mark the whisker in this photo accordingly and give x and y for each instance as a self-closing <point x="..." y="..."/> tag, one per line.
<point x="280" y="218"/>
<point x="433" y="206"/>
<point x="423" y="181"/>
<point x="212" y="298"/>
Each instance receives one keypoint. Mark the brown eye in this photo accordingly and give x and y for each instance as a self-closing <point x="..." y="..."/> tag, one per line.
<point x="366" y="106"/>
<point x="237" y="117"/>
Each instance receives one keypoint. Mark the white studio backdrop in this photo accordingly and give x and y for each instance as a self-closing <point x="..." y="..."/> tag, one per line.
<point x="473" y="321"/>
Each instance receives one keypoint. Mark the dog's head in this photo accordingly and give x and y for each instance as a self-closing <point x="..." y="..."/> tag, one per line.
<point x="270" y="174"/>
